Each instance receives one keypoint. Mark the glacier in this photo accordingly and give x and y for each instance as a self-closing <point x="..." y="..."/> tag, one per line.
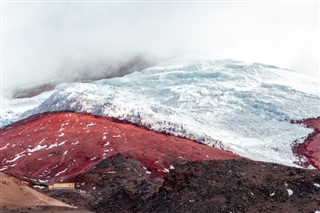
<point x="242" y="107"/>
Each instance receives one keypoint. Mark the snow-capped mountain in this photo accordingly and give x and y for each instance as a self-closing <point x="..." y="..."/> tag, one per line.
<point x="241" y="107"/>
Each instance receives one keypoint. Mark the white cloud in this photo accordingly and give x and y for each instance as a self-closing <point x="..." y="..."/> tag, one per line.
<point x="42" y="40"/>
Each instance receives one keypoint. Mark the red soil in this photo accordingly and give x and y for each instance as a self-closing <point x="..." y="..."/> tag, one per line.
<point x="309" y="151"/>
<point x="56" y="146"/>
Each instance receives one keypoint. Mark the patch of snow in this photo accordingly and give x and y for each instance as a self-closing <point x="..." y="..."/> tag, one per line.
<point x="39" y="187"/>
<point x="171" y="166"/>
<point x="42" y="141"/>
<point x="75" y="143"/>
<point x="53" y="145"/>
<point x="56" y="144"/>
<point x="61" y="135"/>
<point x="55" y="166"/>
<point x="37" y="148"/>
<point x="90" y="124"/>
<point x="59" y="173"/>
<point x="165" y="170"/>
<point x="2" y="148"/>
<point x="317" y="185"/>
<point x="311" y="167"/>
<point x="4" y="168"/>
<point x="272" y="194"/>
<point x="290" y="192"/>
<point x="16" y="157"/>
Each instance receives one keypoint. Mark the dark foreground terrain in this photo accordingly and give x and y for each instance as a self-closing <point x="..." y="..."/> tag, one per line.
<point x="121" y="184"/>
<point x="43" y="209"/>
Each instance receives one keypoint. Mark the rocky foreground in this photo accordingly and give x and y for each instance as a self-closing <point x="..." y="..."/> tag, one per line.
<point x="120" y="184"/>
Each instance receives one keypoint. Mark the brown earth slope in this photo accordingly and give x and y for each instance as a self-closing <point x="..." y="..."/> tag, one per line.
<point x="14" y="193"/>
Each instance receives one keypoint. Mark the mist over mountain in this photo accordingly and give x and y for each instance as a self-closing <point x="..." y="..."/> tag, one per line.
<point x="61" y="41"/>
<point x="85" y="73"/>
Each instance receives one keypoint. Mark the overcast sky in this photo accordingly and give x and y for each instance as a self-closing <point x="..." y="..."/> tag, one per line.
<point x="42" y="39"/>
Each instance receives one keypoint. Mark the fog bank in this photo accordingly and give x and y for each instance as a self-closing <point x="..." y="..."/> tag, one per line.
<point x="59" y="41"/>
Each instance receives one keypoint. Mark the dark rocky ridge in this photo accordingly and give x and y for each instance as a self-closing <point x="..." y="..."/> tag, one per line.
<point x="237" y="186"/>
<point x="121" y="184"/>
<point x="116" y="184"/>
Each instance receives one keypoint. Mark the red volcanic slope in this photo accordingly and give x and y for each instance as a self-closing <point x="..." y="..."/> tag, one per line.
<point x="310" y="149"/>
<point x="55" y="146"/>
